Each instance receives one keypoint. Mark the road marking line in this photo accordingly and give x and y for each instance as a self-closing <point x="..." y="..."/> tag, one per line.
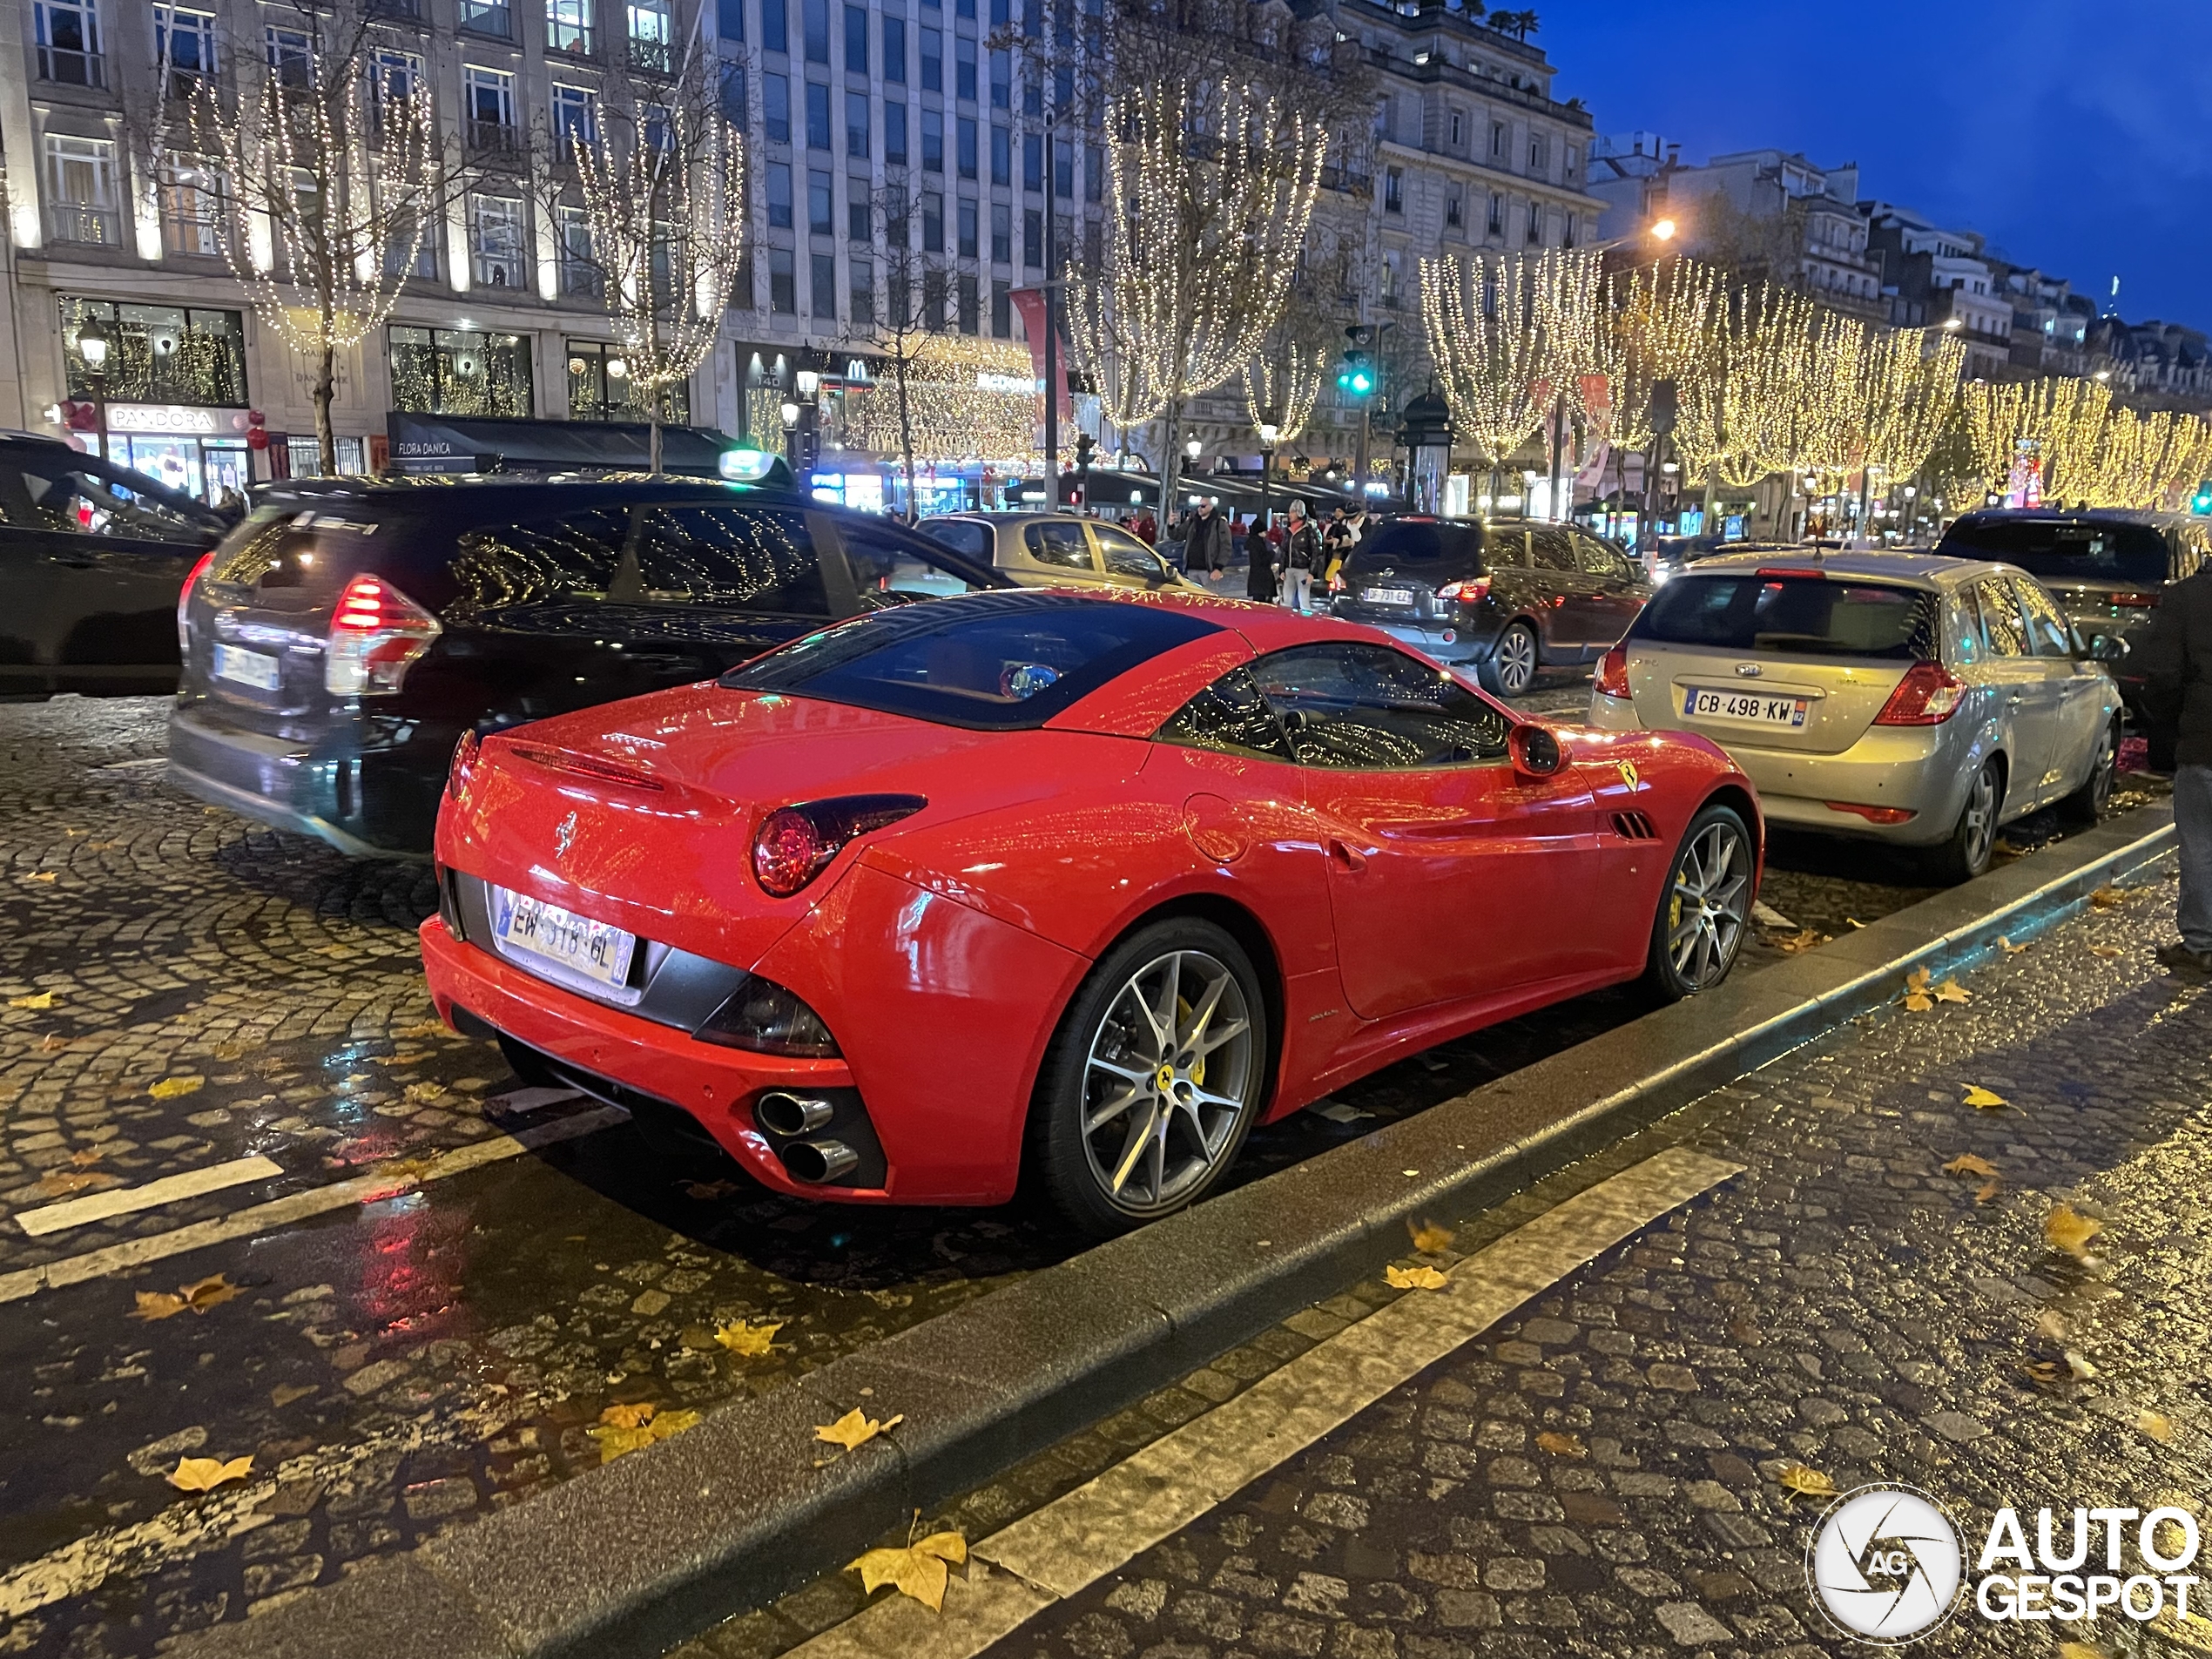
<point x="123" y="1201"/>
<point x="1052" y="1553"/>
<point x="297" y="1206"/>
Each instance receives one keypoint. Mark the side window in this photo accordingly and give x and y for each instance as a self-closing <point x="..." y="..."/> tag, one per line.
<point x="1506" y="548"/>
<point x="2000" y="618"/>
<point x="1550" y="550"/>
<point x="574" y="556"/>
<point x="750" y="558"/>
<point x="1126" y="556"/>
<point x="83" y="501"/>
<point x="2046" y="629"/>
<point x="1962" y="630"/>
<point x="1230" y="716"/>
<point x="1060" y="542"/>
<point x="889" y="569"/>
<point x="1370" y="708"/>
<point x="962" y="535"/>
<point x="1597" y="557"/>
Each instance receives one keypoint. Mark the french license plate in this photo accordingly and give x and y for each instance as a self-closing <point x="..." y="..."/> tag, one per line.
<point x="1385" y="595"/>
<point x="248" y="667"/>
<point x="1754" y="708"/>
<point x="563" y="938"/>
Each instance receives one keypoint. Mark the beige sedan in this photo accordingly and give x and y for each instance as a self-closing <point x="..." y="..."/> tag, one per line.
<point x="1057" y="550"/>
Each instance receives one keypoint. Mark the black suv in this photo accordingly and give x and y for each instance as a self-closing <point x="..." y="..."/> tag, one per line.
<point x="2108" y="568"/>
<point x="1507" y="598"/>
<point x="91" y="557"/>
<point x="338" y="644"/>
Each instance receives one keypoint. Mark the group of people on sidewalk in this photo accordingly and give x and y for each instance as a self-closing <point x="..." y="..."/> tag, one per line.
<point x="1285" y="563"/>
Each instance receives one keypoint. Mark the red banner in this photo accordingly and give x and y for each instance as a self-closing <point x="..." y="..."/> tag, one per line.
<point x="1030" y="303"/>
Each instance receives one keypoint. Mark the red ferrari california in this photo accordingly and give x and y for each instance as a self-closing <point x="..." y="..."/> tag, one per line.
<point x="1071" y="885"/>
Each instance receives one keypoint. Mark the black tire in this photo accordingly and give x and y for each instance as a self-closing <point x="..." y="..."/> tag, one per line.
<point x="1713" y="868"/>
<point x="1972" y="841"/>
<point x="1510" y="668"/>
<point x="1103" y="1054"/>
<point x="2085" y="805"/>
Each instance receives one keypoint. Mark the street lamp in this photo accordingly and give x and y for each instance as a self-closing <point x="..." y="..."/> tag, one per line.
<point x="91" y="345"/>
<point x="1663" y="230"/>
<point x="1190" y="463"/>
<point x="1269" y="432"/>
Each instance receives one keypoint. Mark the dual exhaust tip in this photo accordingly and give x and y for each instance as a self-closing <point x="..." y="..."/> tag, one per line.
<point x="812" y="1161"/>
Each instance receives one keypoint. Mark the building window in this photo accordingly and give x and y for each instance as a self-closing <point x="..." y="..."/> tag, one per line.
<point x="821" y="207"/>
<point x="1497" y="223"/>
<point x="291" y="55"/>
<point x="1498" y="139"/>
<point x="779" y="217"/>
<point x="1001" y="233"/>
<point x="1536" y="155"/>
<point x="856" y="126"/>
<point x="824" y="287"/>
<point x="1001" y="310"/>
<point x="1094" y="173"/>
<point x="966" y="226"/>
<point x="1568" y="161"/>
<point x="964" y="289"/>
<point x="1032" y="239"/>
<point x="933" y="60"/>
<point x="1393" y="191"/>
<point x="454" y="371"/>
<point x="860" y="221"/>
<point x="964" y="134"/>
<point x="487" y="103"/>
<point x="734" y="108"/>
<point x="68" y="43"/>
<point x="1032" y="163"/>
<point x="933" y="222"/>
<point x="1064" y="170"/>
<point x="856" y="40"/>
<point x="83" y="201"/>
<point x="192" y="199"/>
<point x="1535" y="223"/>
<point x="1454" y="216"/>
<point x="729" y="19"/>
<point x="818" y="117"/>
<point x="486" y="18"/>
<point x="894" y="50"/>
<point x="933" y="141"/>
<point x="1001" y="80"/>
<point x="185" y="40"/>
<point x="964" y="68"/>
<point x="1001" y="156"/>
<point x="932" y="300"/>
<point x="568" y="26"/>
<point x="783" y="284"/>
<point x="862" y="290"/>
<point x="653" y="36"/>
<point x="495" y="240"/>
<point x="895" y="134"/>
<point x="775" y="25"/>
<point x="775" y="107"/>
<point x="156" y="354"/>
<point x="1459" y="126"/>
<point x="1567" y="233"/>
<point x="600" y="386"/>
<point x="814" y="19"/>
<point x="579" y="268"/>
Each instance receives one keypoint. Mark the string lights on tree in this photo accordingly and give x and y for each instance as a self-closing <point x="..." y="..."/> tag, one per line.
<point x="1504" y="333"/>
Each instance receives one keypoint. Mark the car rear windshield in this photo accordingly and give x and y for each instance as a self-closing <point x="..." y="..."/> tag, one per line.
<point x="312" y="552"/>
<point x="1791" y="616"/>
<point x="2064" y="549"/>
<point x="1005" y="662"/>
<point x="1428" y="549"/>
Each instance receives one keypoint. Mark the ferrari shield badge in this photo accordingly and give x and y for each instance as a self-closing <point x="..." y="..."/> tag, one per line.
<point x="1628" y="775"/>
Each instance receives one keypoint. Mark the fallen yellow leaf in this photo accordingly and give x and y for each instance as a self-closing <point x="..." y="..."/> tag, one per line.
<point x="205" y="1474"/>
<point x="1982" y="1099"/>
<point x="2157" y="1424"/>
<point x="2105" y="897"/>
<point x="1429" y="1237"/>
<point x="623" y="1429"/>
<point x="2108" y="952"/>
<point x="159" y="1304"/>
<point x="2069" y="1231"/>
<point x="60" y="1184"/>
<point x="1917" y="1001"/>
<point x="1798" y="943"/>
<point x="2081" y="1650"/>
<point x="1918" y="979"/>
<point x="1561" y="1445"/>
<point x="1414" y="1279"/>
<point x="746" y="1338"/>
<point x="42" y="875"/>
<point x="918" y="1570"/>
<point x="1952" y="991"/>
<point x="420" y="1092"/>
<point x="1967" y="1164"/>
<point x="2007" y="947"/>
<point x="2080" y="1365"/>
<point x="85" y="1157"/>
<point x="1801" y="1482"/>
<point x="169" y="1088"/>
<point x="199" y="1297"/>
<point x="43" y="1000"/>
<point x="1989" y="1189"/>
<point x="855" y="1429"/>
<point x="627" y="1416"/>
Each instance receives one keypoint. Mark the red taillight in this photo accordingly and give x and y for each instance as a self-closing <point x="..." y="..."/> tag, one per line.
<point x="2133" y="601"/>
<point x="1612" y="678"/>
<point x="1473" y="591"/>
<point x="609" y="771"/>
<point x="376" y="634"/>
<point x="795" y="843"/>
<point x="1812" y="570"/>
<point x="1928" y="695"/>
<point x="464" y="762"/>
<point x="184" y="602"/>
<point x="1872" y="814"/>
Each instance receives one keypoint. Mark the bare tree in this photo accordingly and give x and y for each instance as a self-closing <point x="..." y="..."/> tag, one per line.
<point x="909" y="307"/>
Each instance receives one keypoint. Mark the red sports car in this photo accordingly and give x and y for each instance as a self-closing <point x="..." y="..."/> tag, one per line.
<point x="1079" y="884"/>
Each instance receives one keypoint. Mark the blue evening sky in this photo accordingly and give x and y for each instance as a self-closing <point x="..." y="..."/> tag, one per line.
<point x="2077" y="136"/>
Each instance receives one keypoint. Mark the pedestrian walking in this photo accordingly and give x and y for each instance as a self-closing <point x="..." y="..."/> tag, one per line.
<point x="1144" y="529"/>
<point x="1302" y="557"/>
<point x="2177" y="698"/>
<point x="1259" y="572"/>
<point x="1206" y="545"/>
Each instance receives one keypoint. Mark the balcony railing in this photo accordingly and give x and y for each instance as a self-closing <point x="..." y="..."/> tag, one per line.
<point x="489" y="17"/>
<point x="498" y="268"/>
<point x="573" y="38"/>
<point x="65" y="68"/>
<point x="76" y="222"/>
<point x="495" y="138"/>
<point x="650" y="56"/>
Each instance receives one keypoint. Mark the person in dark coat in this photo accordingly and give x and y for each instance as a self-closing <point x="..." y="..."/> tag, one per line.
<point x="2177" y="700"/>
<point x="1206" y="546"/>
<point x="1259" y="577"/>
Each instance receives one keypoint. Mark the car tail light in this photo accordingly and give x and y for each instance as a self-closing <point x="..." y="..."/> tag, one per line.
<point x="376" y="634"/>
<point x="1928" y="695"/>
<point x="1792" y="570"/>
<point x="607" y="771"/>
<point x="766" y="1018"/>
<point x="1472" y="591"/>
<point x="184" y="602"/>
<point x="794" y="843"/>
<point x="464" y="762"/>
<point x="2133" y="601"/>
<point x="1612" y="679"/>
<point x="1872" y="814"/>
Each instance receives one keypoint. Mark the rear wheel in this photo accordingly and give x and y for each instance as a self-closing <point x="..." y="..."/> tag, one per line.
<point x="2085" y="805"/>
<point x="1974" y="839"/>
<point x="1153" y="1079"/>
<point x="1704" y="908"/>
<point x="1511" y="668"/>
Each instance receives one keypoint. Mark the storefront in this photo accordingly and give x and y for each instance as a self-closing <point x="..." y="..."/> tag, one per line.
<point x="600" y="387"/>
<point x="460" y="371"/>
<point x="160" y="389"/>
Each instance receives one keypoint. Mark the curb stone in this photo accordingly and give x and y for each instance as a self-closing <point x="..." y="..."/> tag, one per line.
<point x="637" y="1556"/>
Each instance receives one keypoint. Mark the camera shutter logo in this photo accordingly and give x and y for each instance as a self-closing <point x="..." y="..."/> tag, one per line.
<point x="1885" y="1564"/>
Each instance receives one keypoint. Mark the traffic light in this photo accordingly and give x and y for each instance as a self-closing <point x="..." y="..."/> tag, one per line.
<point x="2202" y="502"/>
<point x="1356" y="377"/>
<point x="1665" y="406"/>
<point x="1085" y="444"/>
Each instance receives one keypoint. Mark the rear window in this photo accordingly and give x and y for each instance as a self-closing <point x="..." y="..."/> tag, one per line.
<point x="1791" y="616"/>
<point x="2061" y="549"/>
<point x="962" y="535"/>
<point x="1007" y="663"/>
<point x="312" y="552"/>
<point x="1443" y="550"/>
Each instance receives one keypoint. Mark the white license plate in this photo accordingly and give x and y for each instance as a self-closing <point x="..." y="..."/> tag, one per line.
<point x="248" y="667"/>
<point x="1385" y="595"/>
<point x="576" y="943"/>
<point x="1753" y="708"/>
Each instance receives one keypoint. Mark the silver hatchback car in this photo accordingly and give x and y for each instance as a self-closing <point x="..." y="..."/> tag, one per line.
<point x="1913" y="698"/>
<point x="1056" y="549"/>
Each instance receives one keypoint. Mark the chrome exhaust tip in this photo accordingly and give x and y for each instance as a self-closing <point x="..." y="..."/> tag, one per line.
<point x="786" y="1114"/>
<point x="817" y="1162"/>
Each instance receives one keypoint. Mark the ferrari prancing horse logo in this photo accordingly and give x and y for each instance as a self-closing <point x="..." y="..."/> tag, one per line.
<point x="564" y="836"/>
<point x="1628" y="775"/>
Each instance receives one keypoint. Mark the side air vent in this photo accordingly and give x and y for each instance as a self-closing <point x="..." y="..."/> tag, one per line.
<point x="1633" y="827"/>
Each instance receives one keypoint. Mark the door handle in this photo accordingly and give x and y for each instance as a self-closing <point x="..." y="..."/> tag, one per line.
<point x="2017" y="697"/>
<point x="1345" y="853"/>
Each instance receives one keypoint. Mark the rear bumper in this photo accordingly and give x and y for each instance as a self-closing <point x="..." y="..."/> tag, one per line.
<point x="1447" y="642"/>
<point x="368" y="803"/>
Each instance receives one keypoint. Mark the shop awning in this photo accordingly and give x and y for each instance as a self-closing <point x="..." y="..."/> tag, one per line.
<point x="454" y="444"/>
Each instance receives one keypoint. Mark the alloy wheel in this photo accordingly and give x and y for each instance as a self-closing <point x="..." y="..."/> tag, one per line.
<point x="1516" y="660"/>
<point x="2101" y="770"/>
<point x="1980" y="818"/>
<point x="1712" y="902"/>
<point x="1168" y="1076"/>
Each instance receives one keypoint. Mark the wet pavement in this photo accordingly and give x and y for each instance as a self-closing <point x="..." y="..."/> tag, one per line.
<point x="180" y="991"/>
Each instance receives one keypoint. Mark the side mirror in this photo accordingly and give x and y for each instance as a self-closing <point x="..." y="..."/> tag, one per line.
<point x="1535" y="750"/>
<point x="2099" y="648"/>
